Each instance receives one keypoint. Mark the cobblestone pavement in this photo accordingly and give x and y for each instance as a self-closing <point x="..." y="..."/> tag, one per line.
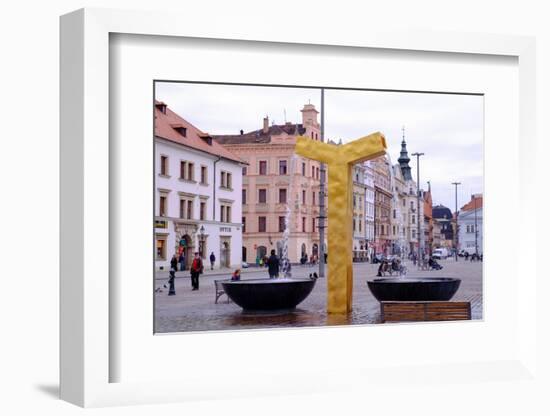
<point x="196" y="310"/>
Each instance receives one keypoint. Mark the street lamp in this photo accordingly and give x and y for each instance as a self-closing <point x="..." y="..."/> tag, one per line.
<point x="418" y="198"/>
<point x="455" y="235"/>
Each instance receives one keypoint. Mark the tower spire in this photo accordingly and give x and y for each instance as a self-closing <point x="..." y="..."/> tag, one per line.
<point x="404" y="159"/>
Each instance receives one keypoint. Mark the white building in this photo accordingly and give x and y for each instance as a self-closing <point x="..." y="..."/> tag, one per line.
<point x="198" y="185"/>
<point x="470" y="225"/>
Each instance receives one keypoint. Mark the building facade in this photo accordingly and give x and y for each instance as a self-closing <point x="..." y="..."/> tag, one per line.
<point x="369" y="207"/>
<point x="197" y="194"/>
<point x="444" y="217"/>
<point x="360" y="249"/>
<point x="382" y="206"/>
<point x="470" y="226"/>
<point x="279" y="189"/>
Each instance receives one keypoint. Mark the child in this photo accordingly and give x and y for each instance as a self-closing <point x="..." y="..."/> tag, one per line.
<point x="236" y="275"/>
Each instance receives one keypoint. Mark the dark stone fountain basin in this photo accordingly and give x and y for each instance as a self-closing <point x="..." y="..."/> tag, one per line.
<point x="268" y="294"/>
<point x="414" y="289"/>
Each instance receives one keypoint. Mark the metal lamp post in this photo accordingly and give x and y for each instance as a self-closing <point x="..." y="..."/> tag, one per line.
<point x="418" y="199"/>
<point x="455" y="235"/>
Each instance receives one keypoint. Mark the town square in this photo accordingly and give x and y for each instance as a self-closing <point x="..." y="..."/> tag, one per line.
<point x="289" y="225"/>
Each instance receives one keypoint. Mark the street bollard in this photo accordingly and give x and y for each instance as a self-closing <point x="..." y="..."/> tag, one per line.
<point x="172" y="290"/>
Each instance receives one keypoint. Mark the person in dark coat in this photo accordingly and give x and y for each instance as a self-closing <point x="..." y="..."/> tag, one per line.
<point x="273" y="265"/>
<point x="181" y="260"/>
<point x="212" y="260"/>
<point x="174" y="263"/>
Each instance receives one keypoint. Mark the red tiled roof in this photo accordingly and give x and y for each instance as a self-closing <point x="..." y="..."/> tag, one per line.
<point x="259" y="136"/>
<point x="167" y="123"/>
<point x="476" y="202"/>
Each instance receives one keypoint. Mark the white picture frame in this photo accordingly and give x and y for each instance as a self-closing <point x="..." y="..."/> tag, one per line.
<point x="86" y="355"/>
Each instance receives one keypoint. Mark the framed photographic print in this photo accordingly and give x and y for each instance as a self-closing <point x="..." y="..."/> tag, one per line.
<point x="282" y="207"/>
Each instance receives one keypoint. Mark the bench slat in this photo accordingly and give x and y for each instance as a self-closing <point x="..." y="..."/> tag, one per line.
<point x="425" y="311"/>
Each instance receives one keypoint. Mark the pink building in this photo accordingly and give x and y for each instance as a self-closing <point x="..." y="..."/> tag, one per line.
<point x="276" y="179"/>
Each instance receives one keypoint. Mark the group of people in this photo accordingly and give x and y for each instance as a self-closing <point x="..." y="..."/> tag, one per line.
<point x="196" y="269"/>
<point x="473" y="257"/>
<point x="313" y="259"/>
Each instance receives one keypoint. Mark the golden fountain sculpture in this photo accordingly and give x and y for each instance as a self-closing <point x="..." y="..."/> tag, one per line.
<point x="340" y="160"/>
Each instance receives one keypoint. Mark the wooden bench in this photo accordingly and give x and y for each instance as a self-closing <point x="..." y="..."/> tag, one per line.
<point x="219" y="289"/>
<point x="425" y="311"/>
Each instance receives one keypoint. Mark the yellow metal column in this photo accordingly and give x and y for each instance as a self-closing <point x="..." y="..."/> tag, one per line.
<point x="340" y="161"/>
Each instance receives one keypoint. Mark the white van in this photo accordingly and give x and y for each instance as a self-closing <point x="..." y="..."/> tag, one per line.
<point x="440" y="253"/>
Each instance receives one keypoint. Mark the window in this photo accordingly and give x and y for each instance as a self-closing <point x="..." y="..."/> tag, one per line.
<point x="222" y="213"/>
<point x="313" y="224"/>
<point x="263" y="167"/>
<point x="190" y="171"/>
<point x="282" y="167"/>
<point x="281" y="224"/>
<point x="203" y="211"/>
<point x="164" y="165"/>
<point x="225" y="180"/>
<point x="354" y="224"/>
<point x="228" y="214"/>
<point x="354" y="201"/>
<point x="303" y="169"/>
<point x="313" y="199"/>
<point x="189" y="210"/>
<point x="404" y="202"/>
<point x="393" y="230"/>
<point x="244" y="170"/>
<point x="261" y="224"/>
<point x="303" y="197"/>
<point x="413" y="218"/>
<point x="244" y="196"/>
<point x="303" y="224"/>
<point x="414" y="233"/>
<point x="161" y="249"/>
<point x="412" y="205"/>
<point x="203" y="175"/>
<point x="394" y="215"/>
<point x="262" y="196"/>
<point x="229" y="178"/>
<point x="360" y="225"/>
<point x="313" y="171"/>
<point x="282" y="196"/>
<point x="243" y="222"/>
<point x="222" y="179"/>
<point x="183" y="169"/>
<point x="162" y="206"/>
<point x="317" y="173"/>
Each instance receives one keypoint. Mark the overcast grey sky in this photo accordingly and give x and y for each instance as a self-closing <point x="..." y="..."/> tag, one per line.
<point x="447" y="128"/>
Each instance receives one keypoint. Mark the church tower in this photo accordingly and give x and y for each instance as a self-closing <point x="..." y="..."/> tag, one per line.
<point x="404" y="160"/>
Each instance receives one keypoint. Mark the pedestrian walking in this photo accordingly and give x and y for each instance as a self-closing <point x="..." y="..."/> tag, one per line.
<point x="182" y="261"/>
<point x="273" y="265"/>
<point x="174" y="263"/>
<point x="196" y="270"/>
<point x="212" y="260"/>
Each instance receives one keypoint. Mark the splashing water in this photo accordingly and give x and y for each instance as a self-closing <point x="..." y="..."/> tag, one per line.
<point x="285" y="262"/>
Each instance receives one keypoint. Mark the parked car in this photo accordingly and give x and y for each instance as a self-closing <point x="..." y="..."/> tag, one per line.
<point x="244" y="265"/>
<point x="440" y="253"/>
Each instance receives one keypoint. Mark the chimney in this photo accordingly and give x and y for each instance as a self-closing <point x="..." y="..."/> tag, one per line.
<point x="242" y="132"/>
<point x="266" y="125"/>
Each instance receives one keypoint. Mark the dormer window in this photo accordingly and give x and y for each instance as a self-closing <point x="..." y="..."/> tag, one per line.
<point x="206" y="138"/>
<point x="180" y="128"/>
<point x="161" y="107"/>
